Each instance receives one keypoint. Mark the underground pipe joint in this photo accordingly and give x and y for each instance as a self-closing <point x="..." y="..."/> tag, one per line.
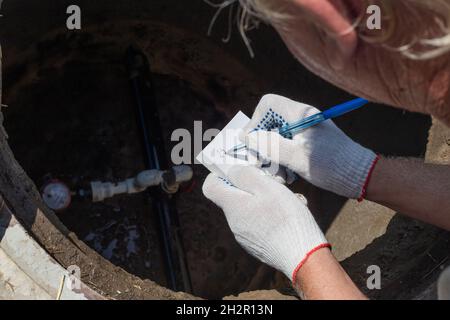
<point x="169" y="180"/>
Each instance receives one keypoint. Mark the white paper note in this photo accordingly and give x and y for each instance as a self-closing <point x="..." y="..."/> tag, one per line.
<point x="214" y="156"/>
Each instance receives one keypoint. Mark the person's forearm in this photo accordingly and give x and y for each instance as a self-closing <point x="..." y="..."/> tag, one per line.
<point x="413" y="188"/>
<point x="323" y="278"/>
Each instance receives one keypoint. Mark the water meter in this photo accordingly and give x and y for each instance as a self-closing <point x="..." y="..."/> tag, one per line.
<point x="56" y="195"/>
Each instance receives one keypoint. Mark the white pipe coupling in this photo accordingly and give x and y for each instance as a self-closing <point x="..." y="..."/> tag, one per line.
<point x="169" y="181"/>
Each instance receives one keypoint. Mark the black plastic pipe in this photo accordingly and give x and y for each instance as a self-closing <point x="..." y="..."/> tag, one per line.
<point x="154" y="152"/>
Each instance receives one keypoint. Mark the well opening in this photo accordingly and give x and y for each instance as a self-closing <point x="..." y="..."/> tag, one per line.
<point x="70" y="117"/>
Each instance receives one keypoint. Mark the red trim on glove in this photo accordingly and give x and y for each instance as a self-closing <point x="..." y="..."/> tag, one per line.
<point x="294" y="274"/>
<point x="366" y="183"/>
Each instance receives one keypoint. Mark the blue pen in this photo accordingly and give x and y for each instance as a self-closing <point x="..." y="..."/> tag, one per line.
<point x="296" y="127"/>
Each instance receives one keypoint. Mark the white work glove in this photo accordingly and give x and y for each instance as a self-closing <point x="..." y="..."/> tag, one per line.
<point x="267" y="219"/>
<point x="323" y="155"/>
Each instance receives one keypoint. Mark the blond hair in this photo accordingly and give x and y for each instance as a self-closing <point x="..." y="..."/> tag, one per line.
<point x="422" y="41"/>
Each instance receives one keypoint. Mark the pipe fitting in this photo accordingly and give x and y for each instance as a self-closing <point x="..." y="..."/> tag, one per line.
<point x="175" y="176"/>
<point x="169" y="180"/>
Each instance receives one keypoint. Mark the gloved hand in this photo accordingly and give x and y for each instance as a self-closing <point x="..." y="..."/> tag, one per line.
<point x="323" y="155"/>
<point x="267" y="219"/>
